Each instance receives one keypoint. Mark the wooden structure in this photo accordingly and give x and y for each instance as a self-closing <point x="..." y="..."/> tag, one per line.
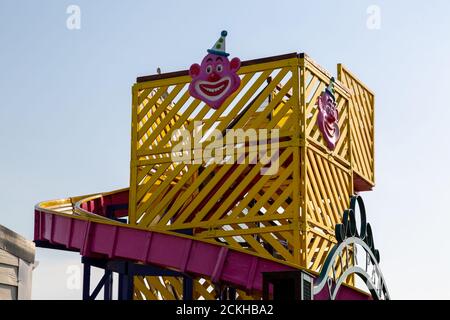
<point x="16" y="265"/>
<point x="227" y="223"/>
<point x="289" y="216"/>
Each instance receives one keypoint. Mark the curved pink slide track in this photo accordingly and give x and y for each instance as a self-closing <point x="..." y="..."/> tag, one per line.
<point x="96" y="238"/>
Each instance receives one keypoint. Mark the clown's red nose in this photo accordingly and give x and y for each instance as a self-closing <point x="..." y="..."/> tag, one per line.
<point x="213" y="76"/>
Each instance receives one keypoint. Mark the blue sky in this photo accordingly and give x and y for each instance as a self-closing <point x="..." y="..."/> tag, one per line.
<point x="65" y="106"/>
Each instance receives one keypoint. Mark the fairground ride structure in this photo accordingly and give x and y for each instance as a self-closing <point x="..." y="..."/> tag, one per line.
<point x="190" y="230"/>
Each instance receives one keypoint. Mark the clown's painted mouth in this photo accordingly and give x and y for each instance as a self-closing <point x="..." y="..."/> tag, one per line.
<point x="213" y="90"/>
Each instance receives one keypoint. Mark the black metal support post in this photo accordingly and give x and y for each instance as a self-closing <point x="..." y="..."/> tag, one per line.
<point x="188" y="288"/>
<point x="287" y="285"/>
<point x="108" y="288"/>
<point x="86" y="280"/>
<point x="127" y="270"/>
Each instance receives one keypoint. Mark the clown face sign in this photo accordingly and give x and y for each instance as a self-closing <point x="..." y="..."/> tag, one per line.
<point x="327" y="119"/>
<point x="215" y="79"/>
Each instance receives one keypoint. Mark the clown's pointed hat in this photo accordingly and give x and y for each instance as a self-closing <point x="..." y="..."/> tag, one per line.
<point x="219" y="46"/>
<point x="330" y="88"/>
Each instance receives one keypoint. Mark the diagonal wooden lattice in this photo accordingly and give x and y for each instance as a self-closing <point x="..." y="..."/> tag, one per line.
<point x="362" y="127"/>
<point x="231" y="203"/>
<point x="328" y="188"/>
<point x="171" y="288"/>
<point x="289" y="215"/>
<point x="326" y="175"/>
<point x="158" y="288"/>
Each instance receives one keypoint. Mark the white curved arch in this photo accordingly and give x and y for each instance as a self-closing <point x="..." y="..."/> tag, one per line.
<point x="335" y="252"/>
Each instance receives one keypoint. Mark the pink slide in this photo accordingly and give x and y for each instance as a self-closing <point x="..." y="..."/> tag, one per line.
<point x="80" y="224"/>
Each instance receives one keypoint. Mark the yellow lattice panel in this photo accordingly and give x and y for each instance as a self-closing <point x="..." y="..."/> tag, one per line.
<point x="234" y="203"/>
<point x="158" y="288"/>
<point x="328" y="191"/>
<point x="289" y="215"/>
<point x="362" y="129"/>
<point x="316" y="79"/>
<point x="163" y="106"/>
<point x="171" y="288"/>
<point x="319" y="245"/>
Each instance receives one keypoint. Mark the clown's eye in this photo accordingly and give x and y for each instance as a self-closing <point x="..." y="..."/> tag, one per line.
<point x="208" y="69"/>
<point x="219" y="68"/>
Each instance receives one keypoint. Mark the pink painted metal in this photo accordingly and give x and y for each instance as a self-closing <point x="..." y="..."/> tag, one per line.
<point x="168" y="251"/>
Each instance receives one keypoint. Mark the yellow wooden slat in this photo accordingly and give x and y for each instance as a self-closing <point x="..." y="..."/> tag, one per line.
<point x="139" y="285"/>
<point x="176" y="283"/>
<point x="237" y="232"/>
<point x="161" y="288"/>
<point x="143" y="189"/>
<point x="244" y="183"/>
<point x="191" y="189"/>
<point x="162" y="141"/>
<point x="362" y="132"/>
<point x="163" y="187"/>
<point x="312" y="247"/>
<point x="174" y="190"/>
<point x="167" y="117"/>
<point x="332" y="193"/>
<point x="203" y="292"/>
<point x="360" y="151"/>
<point x="257" y="187"/>
<point x="257" y="246"/>
<point x="318" y="187"/>
<point x="145" y="95"/>
<point x="267" y="195"/>
<point x="319" y="258"/>
<point x="217" y="113"/>
<point x="276" y="244"/>
<point x="226" y="221"/>
<point x="274" y="102"/>
<point x="151" y="103"/>
<point x="314" y="199"/>
<point x="238" y="170"/>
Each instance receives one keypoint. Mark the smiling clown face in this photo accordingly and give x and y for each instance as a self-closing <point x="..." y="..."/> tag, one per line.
<point x="215" y="79"/>
<point x="327" y="119"/>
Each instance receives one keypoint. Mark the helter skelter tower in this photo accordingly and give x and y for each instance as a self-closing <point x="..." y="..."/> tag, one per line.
<point x="228" y="230"/>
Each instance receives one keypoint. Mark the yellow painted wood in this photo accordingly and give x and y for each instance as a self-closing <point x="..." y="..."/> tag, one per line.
<point x="142" y="290"/>
<point x="362" y="125"/>
<point x="295" y="211"/>
<point x="167" y="117"/>
<point x="162" y="108"/>
<point x="245" y="182"/>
